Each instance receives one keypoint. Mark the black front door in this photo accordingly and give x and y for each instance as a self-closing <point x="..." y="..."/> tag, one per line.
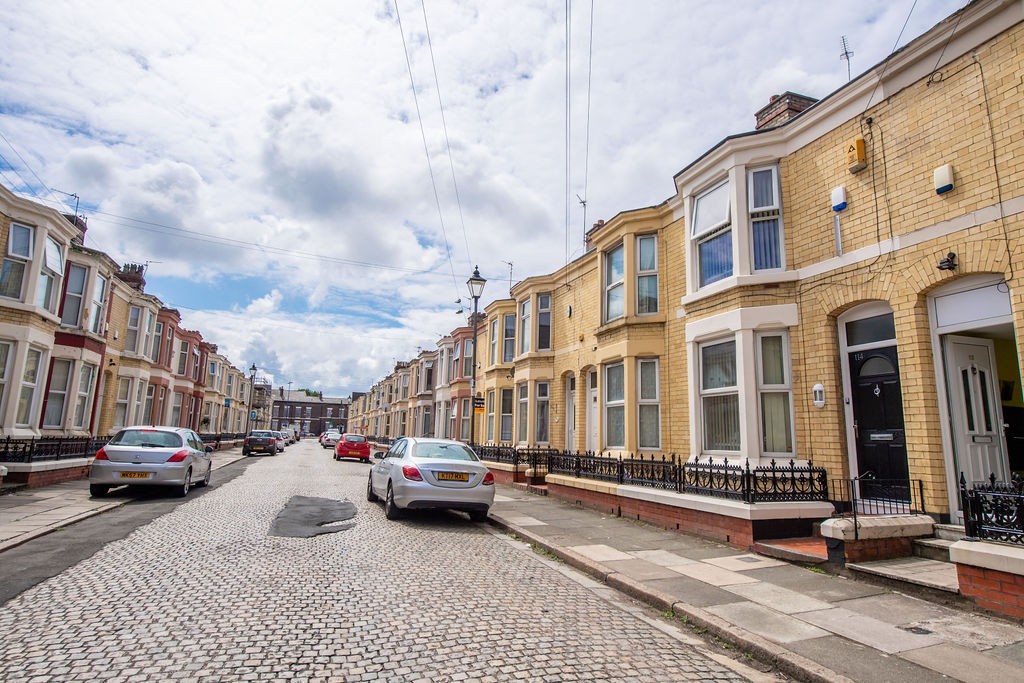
<point x="878" y="424"/>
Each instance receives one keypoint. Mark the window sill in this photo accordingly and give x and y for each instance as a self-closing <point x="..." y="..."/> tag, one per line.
<point x="728" y="283"/>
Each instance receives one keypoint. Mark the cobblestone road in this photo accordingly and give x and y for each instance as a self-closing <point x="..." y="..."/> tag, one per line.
<point x="204" y="594"/>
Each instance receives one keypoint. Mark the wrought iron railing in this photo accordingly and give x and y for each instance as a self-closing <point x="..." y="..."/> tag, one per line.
<point x="772" y="482"/>
<point x="866" y="495"/>
<point x="994" y="510"/>
<point x="46" y="449"/>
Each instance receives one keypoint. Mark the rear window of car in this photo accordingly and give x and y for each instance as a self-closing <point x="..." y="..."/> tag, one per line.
<point x="447" y="451"/>
<point x="355" y="438"/>
<point x="263" y="435"/>
<point x="146" y="438"/>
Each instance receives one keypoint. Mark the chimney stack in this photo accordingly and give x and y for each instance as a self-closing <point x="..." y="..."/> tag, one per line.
<point x="782" y="108"/>
<point x="134" y="275"/>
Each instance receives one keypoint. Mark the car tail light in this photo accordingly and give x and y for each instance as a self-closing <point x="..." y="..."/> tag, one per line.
<point x="179" y="456"/>
<point x="101" y="455"/>
<point x="488" y="479"/>
<point x="411" y="473"/>
<point x="246" y="442"/>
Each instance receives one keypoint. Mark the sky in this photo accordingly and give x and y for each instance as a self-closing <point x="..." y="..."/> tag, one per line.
<point x="312" y="183"/>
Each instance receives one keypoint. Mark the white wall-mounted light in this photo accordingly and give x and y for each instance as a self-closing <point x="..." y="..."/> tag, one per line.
<point x="818" y="393"/>
<point x="839" y="198"/>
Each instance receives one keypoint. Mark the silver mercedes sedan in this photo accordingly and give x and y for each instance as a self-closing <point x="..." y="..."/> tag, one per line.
<point x="152" y="456"/>
<point x="418" y="473"/>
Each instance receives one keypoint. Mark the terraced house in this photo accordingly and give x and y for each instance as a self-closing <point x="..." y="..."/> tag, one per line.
<point x="838" y="287"/>
<point x="85" y="350"/>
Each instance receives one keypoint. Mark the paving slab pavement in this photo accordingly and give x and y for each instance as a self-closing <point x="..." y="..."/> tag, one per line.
<point x="812" y="626"/>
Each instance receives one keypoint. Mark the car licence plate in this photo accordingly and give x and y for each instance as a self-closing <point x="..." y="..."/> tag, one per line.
<point x="135" y="475"/>
<point x="452" y="476"/>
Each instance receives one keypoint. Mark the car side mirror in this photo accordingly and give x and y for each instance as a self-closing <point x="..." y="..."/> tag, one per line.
<point x="209" y="449"/>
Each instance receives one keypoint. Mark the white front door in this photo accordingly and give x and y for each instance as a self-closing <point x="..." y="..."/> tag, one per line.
<point x="975" y="410"/>
<point x="592" y="411"/>
<point x="570" y="413"/>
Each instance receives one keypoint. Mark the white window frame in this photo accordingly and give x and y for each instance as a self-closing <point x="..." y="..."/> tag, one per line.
<point x="57" y="395"/>
<point x="643" y="274"/>
<point x="19" y="258"/>
<point x="133" y="328"/>
<point x="508" y="339"/>
<point x="77" y="297"/>
<point x="525" y="314"/>
<point x="177" y="404"/>
<point x="6" y="355"/>
<point x="122" y="401"/>
<point x="542" y="413"/>
<point x="51" y="275"/>
<point x="493" y="329"/>
<point x="97" y="305"/>
<point x="717" y="228"/>
<point x="183" y="349"/>
<point x="147" y="407"/>
<point x="614" y="288"/>
<point x="648" y="399"/>
<point x="713" y="392"/>
<point x="465" y="415"/>
<point x="767" y="212"/>
<point x="522" y="412"/>
<point x="83" y="395"/>
<point x="467" y="358"/>
<point x="505" y="431"/>
<point x="785" y="387"/>
<point x="490" y="415"/>
<point x="544" y="320"/>
<point x="614" y="404"/>
<point x="28" y="388"/>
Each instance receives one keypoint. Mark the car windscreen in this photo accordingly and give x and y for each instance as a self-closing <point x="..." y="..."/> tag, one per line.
<point x="447" y="451"/>
<point x="146" y="438"/>
<point x="354" y="438"/>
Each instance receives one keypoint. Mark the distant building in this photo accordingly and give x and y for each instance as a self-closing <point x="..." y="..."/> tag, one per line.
<point x="309" y="412"/>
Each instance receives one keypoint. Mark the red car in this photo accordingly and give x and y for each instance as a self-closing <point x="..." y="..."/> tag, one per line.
<point x="352" y="446"/>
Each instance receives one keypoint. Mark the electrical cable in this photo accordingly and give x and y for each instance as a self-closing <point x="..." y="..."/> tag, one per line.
<point x="426" y="149"/>
<point x="447" y="144"/>
<point x="885" y="64"/>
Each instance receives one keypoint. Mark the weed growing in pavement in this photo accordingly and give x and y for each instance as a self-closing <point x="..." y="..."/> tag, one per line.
<point x="816" y="570"/>
<point x="545" y="552"/>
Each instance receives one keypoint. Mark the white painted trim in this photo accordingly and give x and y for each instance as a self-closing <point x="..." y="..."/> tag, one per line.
<point x="1001" y="558"/>
<point x="48" y="465"/>
<point x="753" y="318"/>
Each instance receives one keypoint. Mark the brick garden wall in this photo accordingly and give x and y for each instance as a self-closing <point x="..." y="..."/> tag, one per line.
<point x="992" y="589"/>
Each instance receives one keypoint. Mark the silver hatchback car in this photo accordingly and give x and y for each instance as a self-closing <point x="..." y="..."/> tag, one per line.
<point x="418" y="473"/>
<point x="152" y="456"/>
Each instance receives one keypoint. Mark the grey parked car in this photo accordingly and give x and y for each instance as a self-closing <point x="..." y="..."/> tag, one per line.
<point x="420" y="473"/>
<point x="152" y="456"/>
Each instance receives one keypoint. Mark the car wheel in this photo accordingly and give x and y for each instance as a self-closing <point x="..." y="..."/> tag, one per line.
<point x="181" y="490"/>
<point x="391" y="511"/>
<point x="478" y="515"/>
<point x="98" y="490"/>
<point x="370" y="495"/>
<point x="206" y="479"/>
<point x="336" y="457"/>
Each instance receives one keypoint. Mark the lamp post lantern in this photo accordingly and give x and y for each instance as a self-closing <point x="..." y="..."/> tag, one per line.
<point x="476" y="288"/>
<point x="252" y="394"/>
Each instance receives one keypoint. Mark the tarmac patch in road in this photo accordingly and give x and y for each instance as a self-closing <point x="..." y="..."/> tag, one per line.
<point x="305" y="517"/>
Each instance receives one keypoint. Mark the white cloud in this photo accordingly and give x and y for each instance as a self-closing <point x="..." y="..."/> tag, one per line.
<point x="275" y="153"/>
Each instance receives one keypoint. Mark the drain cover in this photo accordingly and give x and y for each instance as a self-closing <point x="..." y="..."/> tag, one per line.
<point x="917" y="630"/>
<point x="305" y="517"/>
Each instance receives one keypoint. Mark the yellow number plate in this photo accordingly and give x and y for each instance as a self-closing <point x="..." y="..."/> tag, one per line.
<point x="452" y="476"/>
<point x="135" y="475"/>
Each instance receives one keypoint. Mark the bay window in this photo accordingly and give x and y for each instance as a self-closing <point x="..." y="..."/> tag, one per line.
<point x="5" y="362"/>
<point x="719" y="396"/>
<point x="83" y="395"/>
<point x="765" y="218"/>
<point x="614" y="291"/>
<point x="524" y="407"/>
<point x="648" y="404"/>
<point x="712" y="228"/>
<point x="57" y="396"/>
<point x="176" y="403"/>
<point x="19" y="251"/>
<point x="467" y="358"/>
<point x="182" y="360"/>
<point x="647" y="274"/>
<point x="121" y="400"/>
<point x="131" y="335"/>
<point x="74" y="295"/>
<point x="99" y="296"/>
<point x="490" y="414"/>
<point x="506" y="416"/>
<point x="543" y="322"/>
<point x="614" y="406"/>
<point x="29" y="382"/>
<point x="524" y="327"/>
<point x="542" y="413"/>
<point x="465" y="416"/>
<point x="775" y="394"/>
<point x="508" y="344"/>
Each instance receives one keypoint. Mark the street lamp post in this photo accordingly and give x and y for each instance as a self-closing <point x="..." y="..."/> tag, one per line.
<point x="476" y="288"/>
<point x="252" y="394"/>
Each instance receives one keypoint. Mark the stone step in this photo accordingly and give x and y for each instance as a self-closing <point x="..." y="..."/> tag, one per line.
<point x="933" y="548"/>
<point x="920" y="571"/>
<point x="811" y="550"/>
<point x="952" y="532"/>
